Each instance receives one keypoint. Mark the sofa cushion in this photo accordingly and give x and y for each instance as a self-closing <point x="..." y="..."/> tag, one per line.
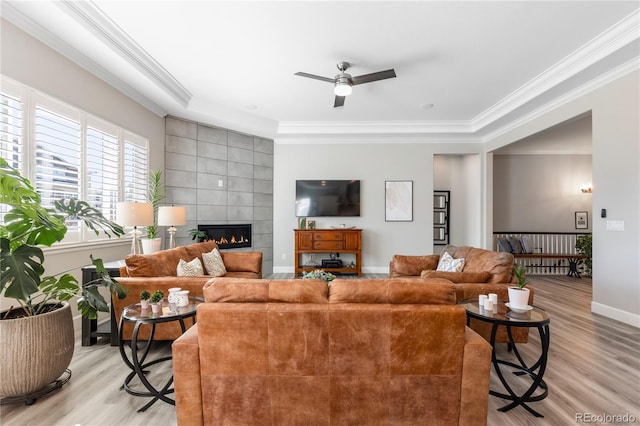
<point x="225" y="289"/>
<point x="213" y="263"/>
<point x="160" y="264"/>
<point x="193" y="268"/>
<point x="503" y="245"/>
<point x="498" y="264"/>
<point x="527" y="244"/>
<point x="413" y="265"/>
<point x="164" y="263"/>
<point x="393" y="290"/>
<point x="458" y="277"/>
<point x="448" y="263"/>
<point x="516" y="246"/>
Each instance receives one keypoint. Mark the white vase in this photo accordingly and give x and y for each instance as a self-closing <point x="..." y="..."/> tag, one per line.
<point x="518" y="298"/>
<point x="182" y="298"/>
<point x="172" y="294"/>
<point x="151" y="245"/>
<point x="144" y="304"/>
<point x="156" y="307"/>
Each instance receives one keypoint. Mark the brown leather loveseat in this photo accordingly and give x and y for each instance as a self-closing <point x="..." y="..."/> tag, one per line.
<point x="484" y="272"/>
<point x="158" y="271"/>
<point x="366" y="352"/>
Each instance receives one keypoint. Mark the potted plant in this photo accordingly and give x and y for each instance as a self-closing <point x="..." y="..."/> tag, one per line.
<point x="37" y="331"/>
<point x="583" y="246"/>
<point x="152" y="243"/>
<point x="519" y="296"/>
<point x="196" y="234"/>
<point x="144" y="299"/>
<point x="156" y="301"/>
<point x="320" y="275"/>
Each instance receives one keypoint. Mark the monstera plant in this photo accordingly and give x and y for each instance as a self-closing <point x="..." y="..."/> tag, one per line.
<point x="25" y="228"/>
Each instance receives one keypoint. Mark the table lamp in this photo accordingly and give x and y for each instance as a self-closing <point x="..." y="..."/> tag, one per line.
<point x="134" y="214"/>
<point x="171" y="216"/>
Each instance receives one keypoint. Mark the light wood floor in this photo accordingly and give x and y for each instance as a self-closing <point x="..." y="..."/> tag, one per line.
<point x="594" y="367"/>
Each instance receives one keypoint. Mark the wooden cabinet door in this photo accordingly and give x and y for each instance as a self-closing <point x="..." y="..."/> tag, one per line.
<point x="351" y="240"/>
<point x="305" y="240"/>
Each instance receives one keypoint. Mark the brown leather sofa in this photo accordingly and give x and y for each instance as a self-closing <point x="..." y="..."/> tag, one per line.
<point x="366" y="352"/>
<point x="484" y="272"/>
<point x="158" y="271"/>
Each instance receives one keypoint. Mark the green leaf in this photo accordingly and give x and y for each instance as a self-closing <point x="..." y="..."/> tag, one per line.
<point x="62" y="288"/>
<point x="21" y="270"/>
<point x="90" y="216"/>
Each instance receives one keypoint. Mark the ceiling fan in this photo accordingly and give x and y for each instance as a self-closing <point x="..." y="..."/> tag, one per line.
<point x="343" y="82"/>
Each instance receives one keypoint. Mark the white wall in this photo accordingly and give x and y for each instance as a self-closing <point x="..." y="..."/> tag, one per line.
<point x="459" y="174"/>
<point x="615" y="109"/>
<point x="30" y="62"/>
<point x="540" y="193"/>
<point x="373" y="164"/>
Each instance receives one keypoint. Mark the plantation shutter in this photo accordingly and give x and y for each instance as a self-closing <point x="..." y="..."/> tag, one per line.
<point x="102" y="171"/>
<point x="135" y="169"/>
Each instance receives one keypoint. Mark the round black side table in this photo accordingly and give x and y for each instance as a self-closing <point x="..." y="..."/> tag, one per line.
<point x="534" y="317"/>
<point x="138" y="364"/>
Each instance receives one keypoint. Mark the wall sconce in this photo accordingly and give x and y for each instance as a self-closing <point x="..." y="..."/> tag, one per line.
<point x="134" y="214"/>
<point x="586" y="189"/>
<point x="171" y="216"/>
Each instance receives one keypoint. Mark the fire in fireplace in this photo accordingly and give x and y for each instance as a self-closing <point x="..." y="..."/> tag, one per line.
<point x="228" y="236"/>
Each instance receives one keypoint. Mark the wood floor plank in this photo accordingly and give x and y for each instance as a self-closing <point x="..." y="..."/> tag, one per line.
<point x="593" y="367"/>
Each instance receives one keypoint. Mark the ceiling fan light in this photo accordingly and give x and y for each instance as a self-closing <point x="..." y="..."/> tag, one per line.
<point x="343" y="86"/>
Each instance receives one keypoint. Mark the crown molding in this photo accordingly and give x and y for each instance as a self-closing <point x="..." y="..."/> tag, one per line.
<point x="373" y="127"/>
<point x="596" y="83"/>
<point x="624" y="32"/>
<point x="93" y="19"/>
<point x="26" y="24"/>
<point x="375" y="138"/>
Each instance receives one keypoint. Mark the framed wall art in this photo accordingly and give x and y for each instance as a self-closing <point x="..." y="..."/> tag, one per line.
<point x="582" y="220"/>
<point x="398" y="198"/>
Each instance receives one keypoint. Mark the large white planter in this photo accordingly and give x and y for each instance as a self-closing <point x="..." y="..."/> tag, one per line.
<point x="518" y="298"/>
<point x="35" y="351"/>
<point x="151" y="245"/>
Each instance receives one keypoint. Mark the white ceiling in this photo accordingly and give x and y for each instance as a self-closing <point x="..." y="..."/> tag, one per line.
<point x="482" y="65"/>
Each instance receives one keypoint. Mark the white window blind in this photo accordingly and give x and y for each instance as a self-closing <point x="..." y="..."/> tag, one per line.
<point x="67" y="153"/>
<point x="102" y="171"/>
<point x="135" y="173"/>
<point x="11" y="118"/>
<point x="57" y="171"/>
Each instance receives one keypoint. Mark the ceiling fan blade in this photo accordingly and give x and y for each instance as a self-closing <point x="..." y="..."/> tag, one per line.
<point x="316" y="77"/>
<point x="375" y="76"/>
<point x="339" y="102"/>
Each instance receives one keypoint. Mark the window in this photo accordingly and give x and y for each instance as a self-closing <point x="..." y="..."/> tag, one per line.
<point x="67" y="153"/>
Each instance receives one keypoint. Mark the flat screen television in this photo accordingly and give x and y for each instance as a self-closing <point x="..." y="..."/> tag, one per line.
<point x="316" y="198"/>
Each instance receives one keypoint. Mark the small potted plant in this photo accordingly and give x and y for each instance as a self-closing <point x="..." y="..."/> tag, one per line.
<point x="156" y="301"/>
<point x="319" y="274"/>
<point x="144" y="299"/>
<point x="519" y="295"/>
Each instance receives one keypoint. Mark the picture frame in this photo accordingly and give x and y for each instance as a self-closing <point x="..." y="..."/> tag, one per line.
<point x="398" y="198"/>
<point x="582" y="220"/>
<point x="311" y="224"/>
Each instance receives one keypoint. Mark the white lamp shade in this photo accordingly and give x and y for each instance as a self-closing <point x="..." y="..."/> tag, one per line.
<point x="172" y="216"/>
<point x="134" y="214"/>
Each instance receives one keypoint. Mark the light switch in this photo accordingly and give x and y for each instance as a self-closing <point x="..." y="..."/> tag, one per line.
<point x="220" y="183"/>
<point x="615" y="225"/>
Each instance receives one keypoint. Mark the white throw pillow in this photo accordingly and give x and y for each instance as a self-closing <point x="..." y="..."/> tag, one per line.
<point x="213" y="263"/>
<point x="449" y="264"/>
<point x="190" y="269"/>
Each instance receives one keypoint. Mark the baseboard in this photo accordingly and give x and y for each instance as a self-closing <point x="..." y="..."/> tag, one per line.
<point x="365" y="270"/>
<point x="616" y="314"/>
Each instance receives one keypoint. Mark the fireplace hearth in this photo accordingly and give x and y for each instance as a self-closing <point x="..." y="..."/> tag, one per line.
<point x="228" y="236"/>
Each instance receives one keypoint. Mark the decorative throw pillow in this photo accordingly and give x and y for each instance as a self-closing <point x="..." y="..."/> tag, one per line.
<point x="213" y="263"/>
<point x="190" y="269"/>
<point x="516" y="247"/>
<point x="527" y="244"/>
<point x="449" y="264"/>
<point x="503" y="245"/>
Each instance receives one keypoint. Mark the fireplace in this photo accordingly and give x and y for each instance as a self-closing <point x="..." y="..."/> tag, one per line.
<point x="228" y="236"/>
